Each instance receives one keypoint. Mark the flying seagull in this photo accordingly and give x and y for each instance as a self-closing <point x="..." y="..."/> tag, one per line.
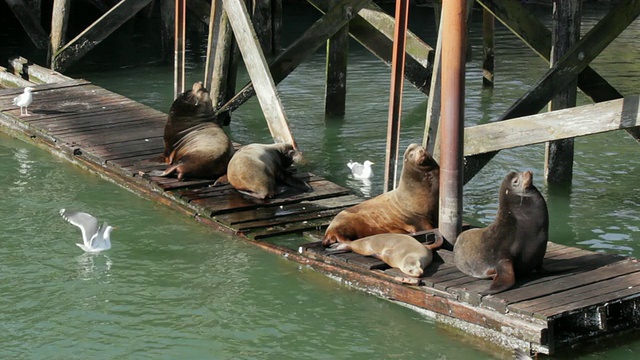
<point x="24" y="100"/>
<point x="94" y="238"/>
<point x="360" y="171"/>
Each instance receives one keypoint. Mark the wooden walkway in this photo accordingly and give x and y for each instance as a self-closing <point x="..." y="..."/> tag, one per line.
<point x="113" y="136"/>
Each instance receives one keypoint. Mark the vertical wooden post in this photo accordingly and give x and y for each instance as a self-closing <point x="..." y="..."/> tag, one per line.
<point x="452" y="118"/>
<point x="430" y="139"/>
<point x="276" y="25"/>
<point x="566" y="32"/>
<point x="59" y="20"/>
<point x="179" y="41"/>
<point x="395" y="98"/>
<point x="262" y="24"/>
<point x="220" y="68"/>
<point x="336" y="67"/>
<point x="488" y="32"/>
<point x="167" y="20"/>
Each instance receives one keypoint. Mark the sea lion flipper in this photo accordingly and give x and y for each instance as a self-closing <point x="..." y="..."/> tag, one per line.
<point x="504" y="279"/>
<point x="290" y="180"/>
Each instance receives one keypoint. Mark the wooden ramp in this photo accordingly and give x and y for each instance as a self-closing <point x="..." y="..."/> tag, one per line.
<point x="115" y="137"/>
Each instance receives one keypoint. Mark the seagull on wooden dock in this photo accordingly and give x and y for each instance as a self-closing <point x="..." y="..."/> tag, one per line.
<point x="94" y="238"/>
<point x="360" y="171"/>
<point x="24" y="100"/>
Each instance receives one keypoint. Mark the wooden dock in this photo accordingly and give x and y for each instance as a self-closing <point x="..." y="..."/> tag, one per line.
<point x="112" y="135"/>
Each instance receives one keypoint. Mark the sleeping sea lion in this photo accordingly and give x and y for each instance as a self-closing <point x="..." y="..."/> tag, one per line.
<point x="257" y="169"/>
<point x="514" y="244"/>
<point x="400" y="251"/>
<point x="192" y="107"/>
<point x="411" y="207"/>
<point x="202" y="153"/>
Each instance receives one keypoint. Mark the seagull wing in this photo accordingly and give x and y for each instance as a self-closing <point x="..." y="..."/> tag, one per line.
<point x="100" y="242"/>
<point x="17" y="99"/>
<point x="87" y="224"/>
<point x="357" y="169"/>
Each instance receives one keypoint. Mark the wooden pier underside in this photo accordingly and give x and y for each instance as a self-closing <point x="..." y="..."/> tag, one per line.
<point x="113" y="136"/>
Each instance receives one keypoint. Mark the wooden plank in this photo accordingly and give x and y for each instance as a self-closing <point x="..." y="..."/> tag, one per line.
<point x="303" y="47"/>
<point x="36" y="73"/>
<point x="283" y="220"/>
<point x="10" y="80"/>
<point x="8" y="94"/>
<point x="560" y="124"/>
<point x="290" y="228"/>
<point x="616" y="296"/>
<point x="30" y="23"/>
<point x="563" y="72"/>
<point x="258" y="70"/>
<point x="96" y="32"/>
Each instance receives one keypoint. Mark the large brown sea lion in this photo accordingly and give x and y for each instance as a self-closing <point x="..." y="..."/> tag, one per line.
<point x="411" y="207"/>
<point x="396" y="250"/>
<point x="203" y="153"/>
<point x="192" y="107"/>
<point x="514" y="244"/>
<point x="257" y="169"/>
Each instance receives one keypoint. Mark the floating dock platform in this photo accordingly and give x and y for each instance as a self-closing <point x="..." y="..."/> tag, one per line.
<point x="112" y="136"/>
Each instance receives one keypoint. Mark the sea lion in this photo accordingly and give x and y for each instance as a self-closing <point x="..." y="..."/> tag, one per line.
<point x="192" y="107"/>
<point x="203" y="152"/>
<point x="400" y="251"/>
<point x="257" y="169"/>
<point x="411" y="207"/>
<point x="514" y="244"/>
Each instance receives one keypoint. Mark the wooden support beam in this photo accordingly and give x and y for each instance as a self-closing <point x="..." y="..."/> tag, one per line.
<point x="262" y="24"/>
<point x="395" y="96"/>
<point x="30" y="23"/>
<point x="258" y="70"/>
<point x="555" y="125"/>
<point x="35" y="73"/>
<point x="276" y="24"/>
<point x="564" y="71"/>
<point x="96" y="32"/>
<point x="221" y="65"/>
<point x="167" y="24"/>
<point x="430" y="140"/>
<point x="180" y="44"/>
<point x="200" y="9"/>
<point x="307" y="44"/>
<point x="59" y="20"/>
<point x="558" y="167"/>
<point x="335" y="92"/>
<point x="488" y="36"/>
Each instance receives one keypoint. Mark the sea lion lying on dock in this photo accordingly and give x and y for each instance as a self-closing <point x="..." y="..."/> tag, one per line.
<point x="514" y="244"/>
<point x="192" y="107"/>
<point x="411" y="207"/>
<point x="202" y="153"/>
<point x="257" y="169"/>
<point x="400" y="251"/>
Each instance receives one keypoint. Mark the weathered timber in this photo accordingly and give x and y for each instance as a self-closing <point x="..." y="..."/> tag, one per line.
<point x="488" y="36"/>
<point x="221" y="65"/>
<point x="314" y="37"/>
<point x="430" y="140"/>
<point x="96" y="32"/>
<point x="276" y="24"/>
<point x="167" y="23"/>
<point x="564" y="71"/>
<point x="258" y="70"/>
<point x="395" y="94"/>
<point x="9" y="80"/>
<point x="558" y="167"/>
<point x="35" y="73"/>
<point x="30" y="22"/>
<point x="261" y="18"/>
<point x="59" y="21"/>
<point x="179" y="47"/>
<point x="335" y="93"/>
<point x="560" y="124"/>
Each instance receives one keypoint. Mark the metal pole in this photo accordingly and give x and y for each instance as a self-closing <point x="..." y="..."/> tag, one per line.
<point x="395" y="99"/>
<point x="179" y="42"/>
<point x="452" y="118"/>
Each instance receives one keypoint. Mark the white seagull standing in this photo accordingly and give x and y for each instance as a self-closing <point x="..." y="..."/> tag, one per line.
<point x="360" y="171"/>
<point x="24" y="100"/>
<point x="94" y="238"/>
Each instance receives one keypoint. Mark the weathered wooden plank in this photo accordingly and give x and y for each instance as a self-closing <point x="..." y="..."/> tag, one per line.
<point x="258" y="70"/>
<point x="10" y="80"/>
<point x="289" y="59"/>
<point x="563" y="72"/>
<point x="96" y="32"/>
<point x="36" y="73"/>
<point x="616" y="296"/>
<point x="59" y="21"/>
<point x="283" y="220"/>
<point x="290" y="228"/>
<point x="29" y="22"/>
<point x="560" y="124"/>
<point x="7" y="95"/>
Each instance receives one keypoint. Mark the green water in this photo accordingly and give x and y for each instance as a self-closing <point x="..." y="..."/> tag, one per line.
<point x="171" y="288"/>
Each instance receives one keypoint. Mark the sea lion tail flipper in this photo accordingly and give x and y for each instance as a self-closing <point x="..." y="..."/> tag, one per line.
<point x="290" y="180"/>
<point x="504" y="279"/>
<point x="437" y="242"/>
<point x="339" y="247"/>
<point x="222" y="180"/>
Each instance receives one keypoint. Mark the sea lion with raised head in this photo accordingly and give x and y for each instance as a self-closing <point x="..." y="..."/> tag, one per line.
<point x="192" y="107"/>
<point x="514" y="244"/>
<point x="411" y="207"/>
<point x="202" y="153"/>
<point x="258" y="169"/>
<point x="400" y="251"/>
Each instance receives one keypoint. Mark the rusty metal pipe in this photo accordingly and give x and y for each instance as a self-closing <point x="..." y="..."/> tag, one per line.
<point x="452" y="118"/>
<point x="395" y="98"/>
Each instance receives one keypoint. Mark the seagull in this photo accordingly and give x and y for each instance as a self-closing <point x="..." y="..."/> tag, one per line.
<point x="360" y="171"/>
<point x="95" y="239"/>
<point x="24" y="100"/>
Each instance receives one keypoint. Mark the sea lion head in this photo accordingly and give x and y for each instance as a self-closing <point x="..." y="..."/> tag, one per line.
<point x="419" y="167"/>
<point x="412" y="265"/>
<point x="419" y="156"/>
